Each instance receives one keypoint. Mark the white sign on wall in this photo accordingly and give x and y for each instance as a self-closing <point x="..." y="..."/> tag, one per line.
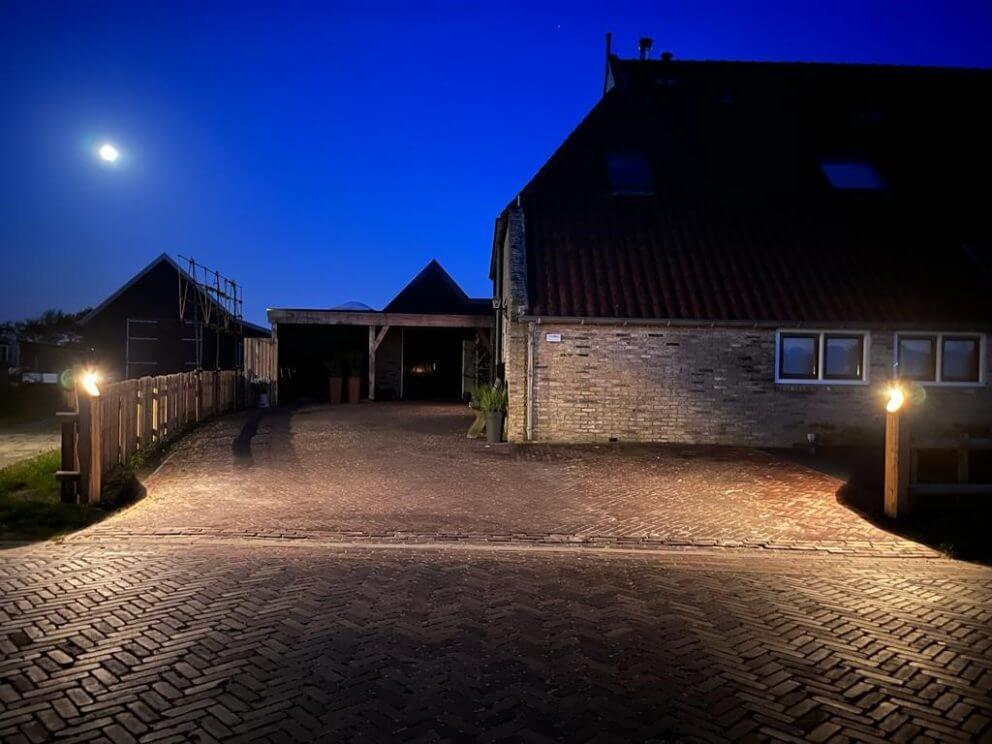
<point x="553" y="338"/>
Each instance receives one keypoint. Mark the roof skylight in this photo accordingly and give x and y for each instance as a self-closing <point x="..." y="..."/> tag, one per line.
<point x="852" y="175"/>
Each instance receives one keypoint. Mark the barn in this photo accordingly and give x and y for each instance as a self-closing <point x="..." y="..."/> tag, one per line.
<point x="162" y="321"/>
<point x="430" y="342"/>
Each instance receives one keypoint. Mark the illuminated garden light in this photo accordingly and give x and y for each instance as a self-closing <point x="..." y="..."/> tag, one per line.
<point x="89" y="381"/>
<point x="896" y="398"/>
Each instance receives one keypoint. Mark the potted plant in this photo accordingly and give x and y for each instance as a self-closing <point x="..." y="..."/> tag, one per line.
<point x="354" y="362"/>
<point x="333" y="367"/>
<point x="260" y="386"/>
<point x="492" y="401"/>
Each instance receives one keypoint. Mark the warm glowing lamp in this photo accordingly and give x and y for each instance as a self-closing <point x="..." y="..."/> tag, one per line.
<point x="896" y="399"/>
<point x="88" y="382"/>
<point x="896" y="488"/>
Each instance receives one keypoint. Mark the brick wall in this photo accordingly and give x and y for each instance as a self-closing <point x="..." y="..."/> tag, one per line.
<point x="705" y="385"/>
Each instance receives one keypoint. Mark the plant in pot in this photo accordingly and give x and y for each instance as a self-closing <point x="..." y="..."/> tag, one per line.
<point x="260" y="387"/>
<point x="354" y="363"/>
<point x="492" y="401"/>
<point x="334" y="378"/>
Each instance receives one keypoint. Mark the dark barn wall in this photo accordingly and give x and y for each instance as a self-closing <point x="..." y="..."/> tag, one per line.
<point x="155" y="296"/>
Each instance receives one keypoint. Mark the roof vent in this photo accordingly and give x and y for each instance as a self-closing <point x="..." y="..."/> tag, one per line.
<point x="644" y="47"/>
<point x="666" y="56"/>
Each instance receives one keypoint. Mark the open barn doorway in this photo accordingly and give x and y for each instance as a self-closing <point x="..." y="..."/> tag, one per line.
<point x="432" y="363"/>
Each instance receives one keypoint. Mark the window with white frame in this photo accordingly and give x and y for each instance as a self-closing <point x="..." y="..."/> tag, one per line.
<point x="827" y="357"/>
<point x="941" y="358"/>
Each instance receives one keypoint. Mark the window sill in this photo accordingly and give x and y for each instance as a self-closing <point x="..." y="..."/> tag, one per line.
<point x="942" y="384"/>
<point x="819" y="383"/>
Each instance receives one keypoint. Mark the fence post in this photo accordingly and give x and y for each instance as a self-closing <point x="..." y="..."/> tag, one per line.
<point x="89" y="448"/>
<point x="68" y="473"/>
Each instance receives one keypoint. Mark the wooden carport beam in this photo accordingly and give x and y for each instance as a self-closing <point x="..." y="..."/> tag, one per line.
<point x="347" y="317"/>
<point x="374" y="341"/>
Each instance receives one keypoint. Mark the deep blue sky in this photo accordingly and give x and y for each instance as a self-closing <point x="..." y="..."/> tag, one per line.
<point x="325" y="153"/>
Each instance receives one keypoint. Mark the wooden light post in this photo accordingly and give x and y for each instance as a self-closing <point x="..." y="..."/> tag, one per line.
<point x="89" y="438"/>
<point x="896" y="455"/>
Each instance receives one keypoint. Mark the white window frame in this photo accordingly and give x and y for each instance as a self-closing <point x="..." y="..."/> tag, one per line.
<point x="938" y="338"/>
<point x="821" y="346"/>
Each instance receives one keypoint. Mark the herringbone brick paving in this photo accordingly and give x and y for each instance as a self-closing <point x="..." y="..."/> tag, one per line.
<point x="245" y="643"/>
<point x="167" y="624"/>
<point x="406" y="471"/>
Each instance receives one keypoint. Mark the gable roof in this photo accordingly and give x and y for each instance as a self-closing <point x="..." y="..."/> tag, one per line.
<point x="434" y="291"/>
<point x="251" y="329"/>
<point x="743" y="225"/>
<point x="161" y="258"/>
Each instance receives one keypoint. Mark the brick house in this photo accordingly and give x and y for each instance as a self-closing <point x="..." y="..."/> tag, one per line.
<point x="747" y="253"/>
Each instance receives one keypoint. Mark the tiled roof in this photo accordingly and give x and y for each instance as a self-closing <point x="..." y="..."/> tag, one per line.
<point x="743" y="225"/>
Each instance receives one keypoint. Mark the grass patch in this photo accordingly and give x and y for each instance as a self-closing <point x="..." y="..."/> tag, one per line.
<point x="30" y="508"/>
<point x="30" y="503"/>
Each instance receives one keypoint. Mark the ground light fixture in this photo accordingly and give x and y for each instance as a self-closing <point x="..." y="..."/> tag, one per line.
<point x="89" y="382"/>
<point x="895" y="398"/>
<point x="896" y="487"/>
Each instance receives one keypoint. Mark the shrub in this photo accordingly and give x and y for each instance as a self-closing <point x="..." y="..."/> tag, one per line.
<point x="491" y="398"/>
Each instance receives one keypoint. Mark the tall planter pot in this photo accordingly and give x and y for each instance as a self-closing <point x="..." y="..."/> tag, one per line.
<point x="494" y="426"/>
<point x="354" y="389"/>
<point x="334" y="385"/>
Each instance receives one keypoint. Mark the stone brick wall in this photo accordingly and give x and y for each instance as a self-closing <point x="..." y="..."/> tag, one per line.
<point x="703" y="385"/>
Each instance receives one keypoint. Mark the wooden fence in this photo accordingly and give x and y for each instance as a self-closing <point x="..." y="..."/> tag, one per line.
<point x="262" y="360"/>
<point x="132" y="416"/>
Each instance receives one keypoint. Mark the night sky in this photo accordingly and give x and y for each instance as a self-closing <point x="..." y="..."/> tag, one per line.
<point x="320" y="154"/>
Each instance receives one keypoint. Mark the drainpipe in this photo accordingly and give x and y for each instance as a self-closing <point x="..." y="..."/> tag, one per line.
<point x="530" y="382"/>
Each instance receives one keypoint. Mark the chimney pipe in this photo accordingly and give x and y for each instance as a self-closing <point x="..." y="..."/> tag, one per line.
<point x="644" y="47"/>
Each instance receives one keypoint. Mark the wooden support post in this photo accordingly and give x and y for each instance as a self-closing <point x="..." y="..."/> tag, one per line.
<point x="374" y="341"/>
<point x="371" y="362"/>
<point x="897" y="455"/>
<point x="68" y="473"/>
<point x="90" y="467"/>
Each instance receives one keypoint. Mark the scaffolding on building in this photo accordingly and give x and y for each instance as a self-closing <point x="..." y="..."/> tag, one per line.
<point x="209" y="299"/>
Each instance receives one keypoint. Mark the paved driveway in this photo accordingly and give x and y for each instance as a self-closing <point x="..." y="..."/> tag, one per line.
<point x="225" y="607"/>
<point x="405" y="471"/>
<point x="273" y="643"/>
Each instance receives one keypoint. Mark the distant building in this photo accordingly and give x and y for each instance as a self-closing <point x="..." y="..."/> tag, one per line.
<point x="138" y="331"/>
<point x="8" y="351"/>
<point x="431" y="341"/>
<point x="746" y="253"/>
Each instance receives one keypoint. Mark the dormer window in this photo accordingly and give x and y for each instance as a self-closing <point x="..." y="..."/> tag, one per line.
<point x="851" y="175"/>
<point x="628" y="172"/>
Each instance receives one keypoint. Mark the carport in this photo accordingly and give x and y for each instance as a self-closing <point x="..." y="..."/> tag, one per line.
<point x="430" y="342"/>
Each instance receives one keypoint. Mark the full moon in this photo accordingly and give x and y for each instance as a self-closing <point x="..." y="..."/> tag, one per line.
<point x="108" y="153"/>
